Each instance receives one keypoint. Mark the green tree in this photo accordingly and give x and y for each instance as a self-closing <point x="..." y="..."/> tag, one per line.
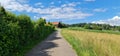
<point x="87" y="26"/>
<point x="62" y="25"/>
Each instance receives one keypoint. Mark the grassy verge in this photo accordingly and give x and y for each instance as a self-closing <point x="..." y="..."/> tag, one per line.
<point x="93" y="44"/>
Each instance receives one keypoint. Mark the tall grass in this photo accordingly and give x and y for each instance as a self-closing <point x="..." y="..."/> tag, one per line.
<point x="93" y="44"/>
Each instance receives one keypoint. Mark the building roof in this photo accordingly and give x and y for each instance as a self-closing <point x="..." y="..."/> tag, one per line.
<point x="55" y="23"/>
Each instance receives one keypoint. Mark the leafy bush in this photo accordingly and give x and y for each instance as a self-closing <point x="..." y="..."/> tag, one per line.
<point x="16" y="32"/>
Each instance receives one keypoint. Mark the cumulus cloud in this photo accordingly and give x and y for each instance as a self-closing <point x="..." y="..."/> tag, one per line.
<point x="89" y="0"/>
<point x="14" y="5"/>
<point x="113" y="21"/>
<point x="100" y="10"/>
<point x="65" y="11"/>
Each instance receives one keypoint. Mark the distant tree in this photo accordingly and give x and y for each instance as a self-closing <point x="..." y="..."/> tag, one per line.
<point x="118" y="28"/>
<point x="62" y="25"/>
<point x="87" y="26"/>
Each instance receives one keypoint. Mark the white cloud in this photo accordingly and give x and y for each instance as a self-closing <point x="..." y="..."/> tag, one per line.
<point x="73" y="4"/>
<point x="100" y="10"/>
<point x="14" y="5"/>
<point x="23" y="1"/>
<point x="89" y="0"/>
<point x="65" y="11"/>
<point x="38" y="4"/>
<point x="113" y="21"/>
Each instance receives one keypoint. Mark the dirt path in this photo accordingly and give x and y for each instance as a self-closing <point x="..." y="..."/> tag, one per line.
<point x="54" y="45"/>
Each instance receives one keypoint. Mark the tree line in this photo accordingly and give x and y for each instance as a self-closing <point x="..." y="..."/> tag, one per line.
<point x="18" y="31"/>
<point x="62" y="25"/>
<point x="96" y="26"/>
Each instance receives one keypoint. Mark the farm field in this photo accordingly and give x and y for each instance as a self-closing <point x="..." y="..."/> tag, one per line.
<point x="89" y="43"/>
<point x="92" y="30"/>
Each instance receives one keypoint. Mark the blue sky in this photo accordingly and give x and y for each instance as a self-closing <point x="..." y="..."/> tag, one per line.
<point x="68" y="11"/>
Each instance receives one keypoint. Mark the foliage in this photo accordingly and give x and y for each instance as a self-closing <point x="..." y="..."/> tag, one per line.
<point x="17" y="32"/>
<point x="94" y="26"/>
<point x="62" y="25"/>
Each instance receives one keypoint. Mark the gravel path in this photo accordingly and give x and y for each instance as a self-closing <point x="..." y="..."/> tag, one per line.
<point x="54" y="45"/>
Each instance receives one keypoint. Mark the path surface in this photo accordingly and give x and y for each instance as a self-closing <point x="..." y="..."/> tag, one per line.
<point x="54" y="45"/>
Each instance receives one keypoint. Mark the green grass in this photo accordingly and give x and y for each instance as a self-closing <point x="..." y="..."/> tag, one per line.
<point x="99" y="31"/>
<point x="87" y="43"/>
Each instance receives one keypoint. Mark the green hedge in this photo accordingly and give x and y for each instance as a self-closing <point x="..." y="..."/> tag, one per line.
<point x="16" y="32"/>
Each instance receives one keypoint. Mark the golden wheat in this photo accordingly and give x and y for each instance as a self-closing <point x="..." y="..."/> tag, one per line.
<point x="101" y="44"/>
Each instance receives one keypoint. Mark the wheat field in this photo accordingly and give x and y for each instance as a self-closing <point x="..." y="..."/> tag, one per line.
<point x="88" y="43"/>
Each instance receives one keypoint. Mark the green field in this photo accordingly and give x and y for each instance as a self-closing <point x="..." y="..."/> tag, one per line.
<point x="99" y="31"/>
<point x="93" y="43"/>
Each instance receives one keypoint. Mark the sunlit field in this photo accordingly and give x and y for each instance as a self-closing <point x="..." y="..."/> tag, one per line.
<point x="88" y="43"/>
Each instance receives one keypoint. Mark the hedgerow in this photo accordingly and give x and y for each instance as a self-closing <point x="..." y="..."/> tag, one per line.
<point x="16" y="32"/>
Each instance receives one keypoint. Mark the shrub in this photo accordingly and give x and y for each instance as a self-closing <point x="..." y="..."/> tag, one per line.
<point x="16" y="32"/>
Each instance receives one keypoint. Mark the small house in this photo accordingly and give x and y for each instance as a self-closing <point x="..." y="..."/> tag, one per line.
<point x="55" y="24"/>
